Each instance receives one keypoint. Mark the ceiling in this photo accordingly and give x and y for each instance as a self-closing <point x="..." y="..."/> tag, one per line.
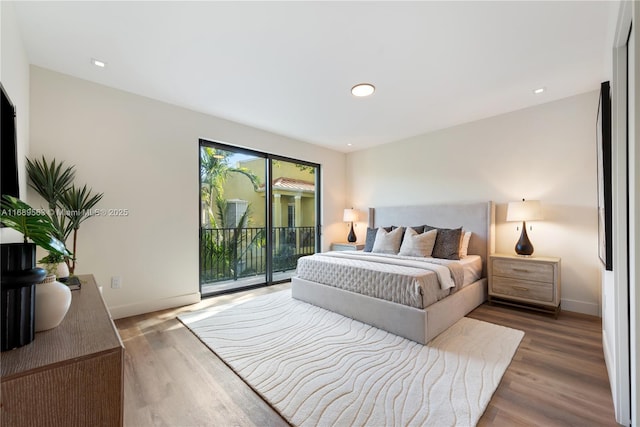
<point x="288" y="67"/>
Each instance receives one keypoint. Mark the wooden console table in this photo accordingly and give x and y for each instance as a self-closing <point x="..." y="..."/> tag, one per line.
<point x="71" y="375"/>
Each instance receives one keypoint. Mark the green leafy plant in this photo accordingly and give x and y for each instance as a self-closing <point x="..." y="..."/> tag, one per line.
<point x="51" y="261"/>
<point x="223" y="251"/>
<point x="35" y="225"/>
<point x="231" y="246"/>
<point x="52" y="258"/>
<point x="69" y="205"/>
<point x="77" y="204"/>
<point x="51" y="180"/>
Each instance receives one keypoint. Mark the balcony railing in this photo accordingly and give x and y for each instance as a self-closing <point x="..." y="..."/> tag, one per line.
<point x="231" y="254"/>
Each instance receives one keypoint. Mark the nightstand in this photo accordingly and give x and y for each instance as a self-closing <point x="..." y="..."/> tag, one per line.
<point x="346" y="246"/>
<point x="531" y="282"/>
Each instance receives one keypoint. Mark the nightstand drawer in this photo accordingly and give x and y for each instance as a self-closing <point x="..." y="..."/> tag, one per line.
<point x="526" y="289"/>
<point x="536" y="271"/>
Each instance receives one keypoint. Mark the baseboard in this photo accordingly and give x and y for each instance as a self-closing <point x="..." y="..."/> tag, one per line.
<point x="127" y="310"/>
<point x="580" y="307"/>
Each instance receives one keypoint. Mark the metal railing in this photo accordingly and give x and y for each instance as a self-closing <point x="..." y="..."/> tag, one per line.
<point x="231" y="254"/>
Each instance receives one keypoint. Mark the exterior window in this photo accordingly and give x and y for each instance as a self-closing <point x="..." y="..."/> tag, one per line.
<point x="291" y="216"/>
<point x="236" y="209"/>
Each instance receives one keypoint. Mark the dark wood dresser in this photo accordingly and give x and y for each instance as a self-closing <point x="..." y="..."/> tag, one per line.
<point x="71" y="375"/>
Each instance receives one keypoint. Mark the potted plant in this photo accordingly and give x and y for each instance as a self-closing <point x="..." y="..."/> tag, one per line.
<point x="19" y="274"/>
<point x="54" y="264"/>
<point x="69" y="205"/>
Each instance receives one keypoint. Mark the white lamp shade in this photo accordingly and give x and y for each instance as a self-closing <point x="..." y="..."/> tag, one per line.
<point x="529" y="210"/>
<point x="350" y="215"/>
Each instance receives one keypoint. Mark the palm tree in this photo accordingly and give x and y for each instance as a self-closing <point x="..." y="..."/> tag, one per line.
<point x="230" y="247"/>
<point x="214" y="171"/>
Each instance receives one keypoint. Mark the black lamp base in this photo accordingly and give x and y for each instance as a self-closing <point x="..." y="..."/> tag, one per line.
<point x="351" y="238"/>
<point x="524" y="246"/>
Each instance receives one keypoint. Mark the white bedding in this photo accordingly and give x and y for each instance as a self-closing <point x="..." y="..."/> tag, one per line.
<point x="412" y="281"/>
<point x="438" y="266"/>
<point x="472" y="265"/>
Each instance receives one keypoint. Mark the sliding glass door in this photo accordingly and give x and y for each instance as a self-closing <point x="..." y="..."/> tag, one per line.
<point x="232" y="221"/>
<point x="258" y="215"/>
<point x="293" y="207"/>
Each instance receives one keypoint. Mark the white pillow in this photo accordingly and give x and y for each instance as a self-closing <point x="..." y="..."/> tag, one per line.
<point x="421" y="245"/>
<point x="387" y="242"/>
<point x="464" y="244"/>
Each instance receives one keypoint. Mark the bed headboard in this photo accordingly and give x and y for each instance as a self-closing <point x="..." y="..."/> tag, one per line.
<point x="476" y="217"/>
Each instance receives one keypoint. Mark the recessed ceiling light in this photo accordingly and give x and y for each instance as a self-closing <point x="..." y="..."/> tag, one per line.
<point x="539" y="90"/>
<point x="98" y="63"/>
<point x="349" y="144"/>
<point x="363" y="89"/>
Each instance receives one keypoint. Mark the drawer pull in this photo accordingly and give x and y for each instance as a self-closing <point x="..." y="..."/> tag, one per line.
<point x="520" y="288"/>
<point x="521" y="270"/>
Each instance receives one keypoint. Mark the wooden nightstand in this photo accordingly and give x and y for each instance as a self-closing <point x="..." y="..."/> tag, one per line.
<point x="531" y="282"/>
<point x="346" y="246"/>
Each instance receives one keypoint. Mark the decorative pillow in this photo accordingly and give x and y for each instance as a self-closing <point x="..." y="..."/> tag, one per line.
<point x="447" y="243"/>
<point x="419" y="229"/>
<point x="464" y="244"/>
<point x="371" y="237"/>
<point x="414" y="244"/>
<point x="388" y="242"/>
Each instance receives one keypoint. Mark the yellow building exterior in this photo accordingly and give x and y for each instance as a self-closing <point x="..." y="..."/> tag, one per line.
<point x="293" y="190"/>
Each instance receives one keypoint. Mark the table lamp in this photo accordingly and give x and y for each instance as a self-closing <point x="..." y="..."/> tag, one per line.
<point x="529" y="210"/>
<point x="350" y="215"/>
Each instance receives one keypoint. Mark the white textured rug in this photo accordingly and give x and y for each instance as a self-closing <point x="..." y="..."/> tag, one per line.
<point x="318" y="368"/>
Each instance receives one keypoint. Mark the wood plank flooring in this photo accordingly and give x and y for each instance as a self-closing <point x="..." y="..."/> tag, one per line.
<point x="557" y="377"/>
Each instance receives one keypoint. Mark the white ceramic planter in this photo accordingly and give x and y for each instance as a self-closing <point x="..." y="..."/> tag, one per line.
<point x="62" y="270"/>
<point x="52" y="303"/>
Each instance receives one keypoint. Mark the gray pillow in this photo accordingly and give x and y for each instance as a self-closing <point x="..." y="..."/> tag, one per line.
<point x="419" y="245"/>
<point x="388" y="242"/>
<point x="371" y="237"/>
<point x="447" y="244"/>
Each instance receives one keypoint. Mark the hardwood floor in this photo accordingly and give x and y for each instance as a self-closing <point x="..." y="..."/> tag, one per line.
<point x="557" y="377"/>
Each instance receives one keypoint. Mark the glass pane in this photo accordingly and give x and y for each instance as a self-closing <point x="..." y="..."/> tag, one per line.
<point x="294" y="215"/>
<point x="233" y="227"/>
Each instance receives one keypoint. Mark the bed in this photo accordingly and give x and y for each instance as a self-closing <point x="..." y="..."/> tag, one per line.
<point x="401" y="313"/>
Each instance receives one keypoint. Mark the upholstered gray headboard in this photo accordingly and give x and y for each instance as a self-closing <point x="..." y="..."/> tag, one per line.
<point x="476" y="217"/>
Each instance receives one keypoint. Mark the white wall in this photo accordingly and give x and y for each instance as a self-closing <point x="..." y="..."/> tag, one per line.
<point x="547" y="152"/>
<point x="143" y="155"/>
<point x="14" y="75"/>
<point x="634" y="211"/>
<point x="619" y="332"/>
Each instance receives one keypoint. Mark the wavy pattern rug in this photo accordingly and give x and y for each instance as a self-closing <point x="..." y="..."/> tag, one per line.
<point x="318" y="368"/>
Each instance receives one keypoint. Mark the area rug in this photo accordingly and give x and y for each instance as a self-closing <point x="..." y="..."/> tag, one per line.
<point x="318" y="368"/>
